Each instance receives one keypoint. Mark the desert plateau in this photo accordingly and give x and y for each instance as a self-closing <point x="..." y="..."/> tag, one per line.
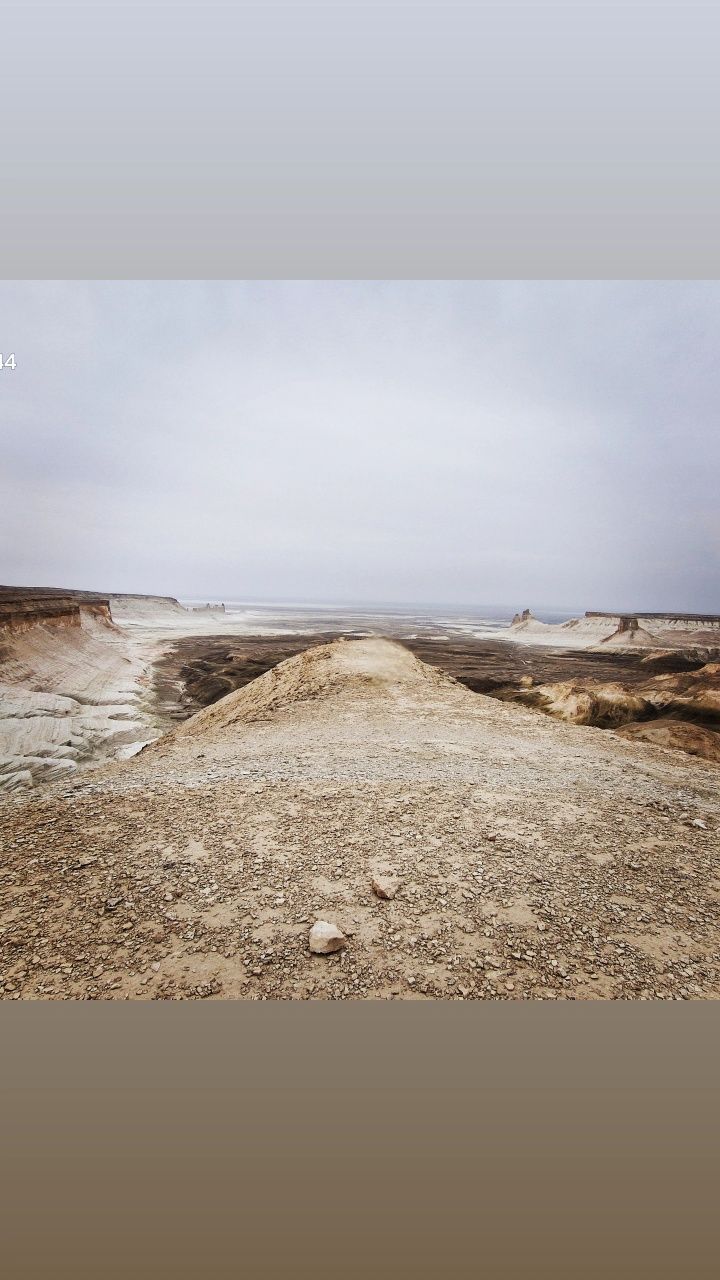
<point x="313" y="803"/>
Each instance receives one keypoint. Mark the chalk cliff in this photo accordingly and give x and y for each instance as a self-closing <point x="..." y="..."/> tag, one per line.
<point x="621" y="630"/>
<point x="71" y="689"/>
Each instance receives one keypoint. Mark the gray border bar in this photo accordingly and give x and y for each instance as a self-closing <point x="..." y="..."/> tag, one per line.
<point x="351" y="139"/>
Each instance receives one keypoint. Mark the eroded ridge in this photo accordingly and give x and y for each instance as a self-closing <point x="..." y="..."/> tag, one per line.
<point x="528" y="858"/>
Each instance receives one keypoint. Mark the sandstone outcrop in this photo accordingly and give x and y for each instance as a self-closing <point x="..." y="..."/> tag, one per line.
<point x="22" y="608"/>
<point x="603" y="705"/>
<point x="675" y="700"/>
<point x="678" y="735"/>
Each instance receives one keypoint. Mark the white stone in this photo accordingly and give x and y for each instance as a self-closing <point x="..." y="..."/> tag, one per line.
<point x="325" y="938"/>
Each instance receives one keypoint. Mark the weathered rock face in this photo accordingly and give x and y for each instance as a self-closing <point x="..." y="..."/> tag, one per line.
<point x="664" y="621"/>
<point x="525" y="616"/>
<point x="681" y="735"/>
<point x="20" y="616"/>
<point x="69" y="689"/>
<point x="22" y="608"/>
<point x="662" y="709"/>
<point x="628" y="624"/>
<point x="652" y="630"/>
<point x="694" y="695"/>
<point x="527" y="622"/>
<point x="605" y="705"/>
<point x="136" y="608"/>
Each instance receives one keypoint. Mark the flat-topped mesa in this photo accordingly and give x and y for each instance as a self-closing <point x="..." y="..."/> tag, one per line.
<point x="629" y="633"/>
<point x="655" y="630"/>
<point x="595" y="628"/>
<point x="22" y="608"/>
<point x="662" y="621"/>
<point x="128" y="608"/>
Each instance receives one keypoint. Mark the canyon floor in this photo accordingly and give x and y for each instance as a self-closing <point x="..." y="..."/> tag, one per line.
<point x="531" y="858"/>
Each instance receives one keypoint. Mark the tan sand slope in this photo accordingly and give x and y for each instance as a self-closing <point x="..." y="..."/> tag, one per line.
<point x="343" y="668"/>
<point x="531" y="858"/>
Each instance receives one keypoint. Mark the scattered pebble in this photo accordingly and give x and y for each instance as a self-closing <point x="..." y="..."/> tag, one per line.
<point x="385" y="887"/>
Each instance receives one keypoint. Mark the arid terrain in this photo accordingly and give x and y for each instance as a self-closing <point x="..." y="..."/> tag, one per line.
<point x="456" y="845"/>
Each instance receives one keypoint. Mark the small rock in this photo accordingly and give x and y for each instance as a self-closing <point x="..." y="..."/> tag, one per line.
<point x="698" y="822"/>
<point x="325" y="938"/>
<point x="384" y="887"/>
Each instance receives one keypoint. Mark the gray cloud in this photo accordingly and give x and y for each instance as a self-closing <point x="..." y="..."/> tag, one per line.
<point x="538" y="442"/>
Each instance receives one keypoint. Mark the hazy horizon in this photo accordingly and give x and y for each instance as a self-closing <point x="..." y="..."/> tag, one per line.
<point x="365" y="442"/>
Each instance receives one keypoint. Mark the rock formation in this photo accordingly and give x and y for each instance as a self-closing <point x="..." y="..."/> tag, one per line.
<point x="134" y="608"/>
<point x="630" y="635"/>
<point x="621" y="630"/>
<point x="527" y="622"/>
<point x="70" y="689"/>
<point x="677" y="735"/>
<point x="675" y="701"/>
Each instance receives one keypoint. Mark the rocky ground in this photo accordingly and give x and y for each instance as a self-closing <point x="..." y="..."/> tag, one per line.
<point x="524" y="857"/>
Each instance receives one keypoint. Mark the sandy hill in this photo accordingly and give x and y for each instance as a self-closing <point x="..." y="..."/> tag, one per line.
<point x="521" y="856"/>
<point x="348" y="669"/>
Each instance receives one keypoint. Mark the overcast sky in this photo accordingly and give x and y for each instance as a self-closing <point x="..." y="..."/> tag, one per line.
<point x="523" y="443"/>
